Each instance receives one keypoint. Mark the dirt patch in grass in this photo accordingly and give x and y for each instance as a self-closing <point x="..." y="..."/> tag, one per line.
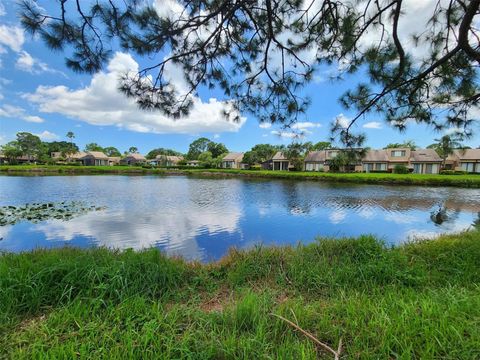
<point x="31" y="322"/>
<point x="218" y="301"/>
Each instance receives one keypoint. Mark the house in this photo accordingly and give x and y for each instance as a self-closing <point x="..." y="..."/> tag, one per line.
<point x="73" y="157"/>
<point x="280" y="161"/>
<point x="166" y="160"/>
<point x="193" y="163"/>
<point x="133" y="159"/>
<point x="267" y="165"/>
<point x="114" y="160"/>
<point x="375" y="160"/>
<point x="425" y="161"/>
<point x="233" y="160"/>
<point x="398" y="156"/>
<point x="315" y="161"/>
<point x="19" y="160"/>
<point x="322" y="161"/>
<point x="464" y="160"/>
<point x="94" y="158"/>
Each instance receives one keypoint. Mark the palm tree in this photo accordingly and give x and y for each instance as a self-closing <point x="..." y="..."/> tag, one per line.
<point x="446" y="145"/>
<point x="71" y="136"/>
<point x="133" y="150"/>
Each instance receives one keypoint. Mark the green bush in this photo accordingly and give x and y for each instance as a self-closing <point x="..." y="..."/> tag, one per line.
<point x="453" y="172"/>
<point x="181" y="167"/>
<point x="400" y="169"/>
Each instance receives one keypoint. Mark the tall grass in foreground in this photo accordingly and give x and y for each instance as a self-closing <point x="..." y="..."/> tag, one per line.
<point x="419" y="300"/>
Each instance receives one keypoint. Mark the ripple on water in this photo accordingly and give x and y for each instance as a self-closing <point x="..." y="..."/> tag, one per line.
<point x="203" y="218"/>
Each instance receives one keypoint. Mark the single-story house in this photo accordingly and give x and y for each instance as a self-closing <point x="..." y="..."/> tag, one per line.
<point x="94" y="158"/>
<point x="375" y="160"/>
<point x="193" y="163"/>
<point x="464" y="160"/>
<point x="73" y="157"/>
<point x="114" y="160"/>
<point x="233" y="160"/>
<point x="280" y="161"/>
<point x="267" y="165"/>
<point x="19" y="160"/>
<point x="133" y="159"/>
<point x="425" y="161"/>
<point x="166" y="160"/>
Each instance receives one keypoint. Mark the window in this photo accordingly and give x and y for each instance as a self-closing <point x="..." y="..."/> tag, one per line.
<point x="367" y="167"/>
<point x="381" y="167"/>
<point x="398" y="153"/>
<point x="417" y="168"/>
<point x="469" y="167"/>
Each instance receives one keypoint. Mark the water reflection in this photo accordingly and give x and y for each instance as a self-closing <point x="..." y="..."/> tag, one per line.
<point x="202" y="218"/>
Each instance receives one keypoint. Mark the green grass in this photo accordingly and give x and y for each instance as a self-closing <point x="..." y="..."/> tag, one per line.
<point x="471" y="181"/>
<point x="418" y="300"/>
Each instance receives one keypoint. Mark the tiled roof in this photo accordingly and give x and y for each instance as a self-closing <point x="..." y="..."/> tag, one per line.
<point x="425" y="155"/>
<point x="279" y="156"/>
<point x="233" y="156"/>
<point x="376" y="156"/>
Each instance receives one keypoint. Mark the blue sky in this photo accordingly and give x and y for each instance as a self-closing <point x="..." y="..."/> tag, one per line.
<point x="39" y="94"/>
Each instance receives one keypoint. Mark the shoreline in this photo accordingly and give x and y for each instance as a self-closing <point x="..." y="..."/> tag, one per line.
<point x="418" y="300"/>
<point x="465" y="181"/>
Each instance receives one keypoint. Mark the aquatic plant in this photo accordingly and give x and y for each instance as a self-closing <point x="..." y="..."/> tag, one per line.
<point x="36" y="212"/>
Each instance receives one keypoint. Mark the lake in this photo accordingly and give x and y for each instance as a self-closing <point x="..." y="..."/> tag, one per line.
<point x="201" y="218"/>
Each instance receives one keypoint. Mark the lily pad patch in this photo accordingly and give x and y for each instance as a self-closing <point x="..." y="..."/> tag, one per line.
<point x="37" y="212"/>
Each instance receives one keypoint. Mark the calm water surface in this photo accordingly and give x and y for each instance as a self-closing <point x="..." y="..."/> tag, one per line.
<point x="202" y="218"/>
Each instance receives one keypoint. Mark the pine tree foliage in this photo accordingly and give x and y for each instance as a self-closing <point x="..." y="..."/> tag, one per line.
<point x="261" y="54"/>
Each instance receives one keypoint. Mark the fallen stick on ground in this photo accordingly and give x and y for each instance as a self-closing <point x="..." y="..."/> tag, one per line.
<point x="313" y="338"/>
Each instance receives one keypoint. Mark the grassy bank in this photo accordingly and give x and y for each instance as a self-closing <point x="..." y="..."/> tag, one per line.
<point x="415" y="301"/>
<point x="472" y="181"/>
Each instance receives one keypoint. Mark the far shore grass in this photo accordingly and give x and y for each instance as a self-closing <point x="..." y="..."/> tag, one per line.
<point x="416" y="301"/>
<point x="470" y="180"/>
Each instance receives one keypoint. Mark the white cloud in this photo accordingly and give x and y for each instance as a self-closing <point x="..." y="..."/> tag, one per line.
<point x="265" y="125"/>
<point x="100" y="103"/>
<point x="12" y="37"/>
<point x="28" y="63"/>
<point x="216" y="136"/>
<point x="48" y="136"/>
<point x="25" y="62"/>
<point x="305" y="125"/>
<point x="342" y="120"/>
<point x="373" y="125"/>
<point x="33" y="118"/>
<point x="16" y="112"/>
<point x="3" y="12"/>
<point x="287" y="134"/>
<point x="298" y="130"/>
